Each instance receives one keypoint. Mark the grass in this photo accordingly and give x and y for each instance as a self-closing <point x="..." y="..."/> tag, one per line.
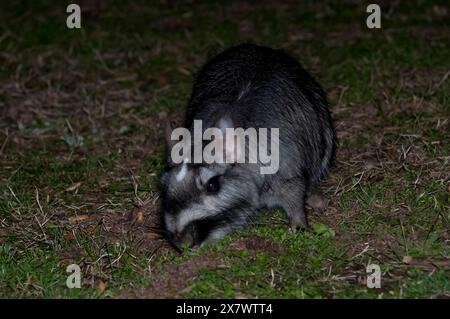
<point x="81" y="115"/>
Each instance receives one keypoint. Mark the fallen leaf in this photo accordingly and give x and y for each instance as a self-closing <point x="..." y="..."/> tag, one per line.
<point x="74" y="187"/>
<point x="427" y="263"/>
<point x="140" y="216"/>
<point x="152" y="235"/>
<point x="78" y="218"/>
<point x="407" y="259"/>
<point x="69" y="236"/>
<point x="101" y="287"/>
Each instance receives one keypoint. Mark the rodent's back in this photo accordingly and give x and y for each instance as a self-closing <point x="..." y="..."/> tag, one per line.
<point x="262" y="87"/>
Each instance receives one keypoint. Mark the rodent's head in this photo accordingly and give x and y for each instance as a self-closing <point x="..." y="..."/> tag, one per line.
<point x="203" y="203"/>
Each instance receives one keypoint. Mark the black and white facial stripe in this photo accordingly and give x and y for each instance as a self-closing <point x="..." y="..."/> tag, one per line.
<point x="202" y="216"/>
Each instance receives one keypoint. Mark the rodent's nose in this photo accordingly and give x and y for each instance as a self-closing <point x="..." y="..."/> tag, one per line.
<point x="184" y="240"/>
<point x="186" y="237"/>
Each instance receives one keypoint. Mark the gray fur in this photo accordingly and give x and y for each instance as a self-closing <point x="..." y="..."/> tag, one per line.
<point x="251" y="86"/>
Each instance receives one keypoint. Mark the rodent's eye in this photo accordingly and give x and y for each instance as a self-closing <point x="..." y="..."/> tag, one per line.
<point x="213" y="185"/>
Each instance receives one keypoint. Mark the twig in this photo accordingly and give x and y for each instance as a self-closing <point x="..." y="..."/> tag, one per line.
<point x="4" y="142"/>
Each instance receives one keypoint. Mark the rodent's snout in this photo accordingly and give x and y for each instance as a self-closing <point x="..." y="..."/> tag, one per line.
<point x="188" y="237"/>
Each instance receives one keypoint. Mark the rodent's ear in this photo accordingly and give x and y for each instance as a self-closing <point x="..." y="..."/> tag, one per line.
<point x="224" y="123"/>
<point x="232" y="148"/>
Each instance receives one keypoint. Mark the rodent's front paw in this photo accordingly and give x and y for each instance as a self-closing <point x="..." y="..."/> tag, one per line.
<point x="298" y="227"/>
